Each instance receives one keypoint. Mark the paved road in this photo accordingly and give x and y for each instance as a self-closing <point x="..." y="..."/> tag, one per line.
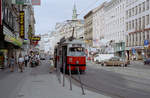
<point x="116" y="84"/>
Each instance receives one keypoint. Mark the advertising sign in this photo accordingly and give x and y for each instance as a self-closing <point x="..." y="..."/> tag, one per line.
<point x="22" y="24"/>
<point x="36" y="38"/>
<point x="36" y="2"/>
<point x="0" y="13"/>
<point x="21" y="2"/>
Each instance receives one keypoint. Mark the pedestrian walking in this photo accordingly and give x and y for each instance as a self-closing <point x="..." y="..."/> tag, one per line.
<point x="20" y="63"/>
<point x="12" y="63"/>
<point x="26" y="58"/>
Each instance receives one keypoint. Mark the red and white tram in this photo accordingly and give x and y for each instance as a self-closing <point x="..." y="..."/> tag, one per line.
<point x="70" y="53"/>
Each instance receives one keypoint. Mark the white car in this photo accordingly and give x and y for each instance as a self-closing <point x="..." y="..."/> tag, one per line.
<point x="99" y="58"/>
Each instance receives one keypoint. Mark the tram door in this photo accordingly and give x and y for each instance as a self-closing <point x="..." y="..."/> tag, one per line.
<point x="64" y="56"/>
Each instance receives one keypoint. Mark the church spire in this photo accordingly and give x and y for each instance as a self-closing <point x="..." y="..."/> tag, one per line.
<point x="74" y="16"/>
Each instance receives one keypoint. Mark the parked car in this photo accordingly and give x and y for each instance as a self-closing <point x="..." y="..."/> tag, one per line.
<point x="146" y="61"/>
<point x="99" y="58"/>
<point x="116" y="61"/>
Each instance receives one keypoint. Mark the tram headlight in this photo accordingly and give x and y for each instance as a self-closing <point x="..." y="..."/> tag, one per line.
<point x="77" y="62"/>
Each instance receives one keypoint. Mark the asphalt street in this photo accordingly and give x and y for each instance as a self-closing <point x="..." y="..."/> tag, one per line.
<point x="110" y="81"/>
<point x="115" y="84"/>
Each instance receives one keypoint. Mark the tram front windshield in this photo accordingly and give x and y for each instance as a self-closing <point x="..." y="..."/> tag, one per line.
<point x="76" y="51"/>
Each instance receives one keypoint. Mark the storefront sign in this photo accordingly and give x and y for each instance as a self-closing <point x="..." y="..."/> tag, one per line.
<point x="36" y="38"/>
<point x="0" y="13"/>
<point x="22" y="24"/>
<point x="36" y="2"/>
<point x="13" y="40"/>
<point x="22" y="2"/>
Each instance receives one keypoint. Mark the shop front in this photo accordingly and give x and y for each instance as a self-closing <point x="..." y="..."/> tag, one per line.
<point x="11" y="46"/>
<point x="135" y="53"/>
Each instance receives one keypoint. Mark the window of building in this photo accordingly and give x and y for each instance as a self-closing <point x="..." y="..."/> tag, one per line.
<point x="140" y="23"/>
<point x="147" y="19"/>
<point x="136" y="10"/>
<point x="127" y="27"/>
<point x="139" y="8"/>
<point x="136" y="37"/>
<point x="143" y="6"/>
<point x="143" y="20"/>
<point x="140" y="37"/>
<point x="148" y="35"/>
<point x="136" y="24"/>
<point x="147" y="4"/>
<point x="132" y="11"/>
<point x="132" y="24"/>
<point x="127" y="14"/>
<point x="143" y="35"/>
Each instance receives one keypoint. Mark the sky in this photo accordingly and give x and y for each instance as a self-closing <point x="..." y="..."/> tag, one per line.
<point x="52" y="11"/>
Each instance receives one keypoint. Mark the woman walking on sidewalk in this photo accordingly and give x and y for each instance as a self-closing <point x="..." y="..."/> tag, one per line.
<point x="12" y="63"/>
<point x="21" y="62"/>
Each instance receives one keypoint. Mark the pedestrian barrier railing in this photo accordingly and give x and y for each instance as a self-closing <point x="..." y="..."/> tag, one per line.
<point x="70" y="78"/>
<point x="83" y="93"/>
<point x="58" y="73"/>
<point x="64" y="74"/>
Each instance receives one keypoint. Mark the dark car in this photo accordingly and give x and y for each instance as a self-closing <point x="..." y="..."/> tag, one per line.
<point x="147" y="61"/>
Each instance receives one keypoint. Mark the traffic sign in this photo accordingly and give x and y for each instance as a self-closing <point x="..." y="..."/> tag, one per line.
<point x="146" y="42"/>
<point x="133" y="50"/>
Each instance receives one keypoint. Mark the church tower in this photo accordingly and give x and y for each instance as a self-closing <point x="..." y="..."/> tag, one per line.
<point x="74" y="16"/>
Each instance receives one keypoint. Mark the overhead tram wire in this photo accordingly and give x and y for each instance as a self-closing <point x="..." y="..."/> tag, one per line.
<point x="88" y="7"/>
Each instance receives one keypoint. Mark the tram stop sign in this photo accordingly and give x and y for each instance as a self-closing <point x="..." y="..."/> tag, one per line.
<point x="146" y="42"/>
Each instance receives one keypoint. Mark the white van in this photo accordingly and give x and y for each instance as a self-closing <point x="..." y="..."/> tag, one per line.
<point x="99" y="58"/>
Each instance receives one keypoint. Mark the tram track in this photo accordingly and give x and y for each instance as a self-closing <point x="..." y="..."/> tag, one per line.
<point x="96" y="89"/>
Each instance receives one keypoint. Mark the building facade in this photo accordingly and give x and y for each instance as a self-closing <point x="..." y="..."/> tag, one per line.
<point x="88" y="28"/>
<point x="137" y="28"/>
<point x="115" y="26"/>
<point x="98" y="25"/>
<point x="14" y="30"/>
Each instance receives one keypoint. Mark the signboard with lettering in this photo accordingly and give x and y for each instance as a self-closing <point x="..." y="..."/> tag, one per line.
<point x="22" y="24"/>
<point x="36" y="2"/>
<point x="0" y="13"/>
<point x="36" y="38"/>
<point x="22" y="2"/>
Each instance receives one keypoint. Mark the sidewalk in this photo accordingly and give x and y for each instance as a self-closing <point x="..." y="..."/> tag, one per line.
<point x="47" y="86"/>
